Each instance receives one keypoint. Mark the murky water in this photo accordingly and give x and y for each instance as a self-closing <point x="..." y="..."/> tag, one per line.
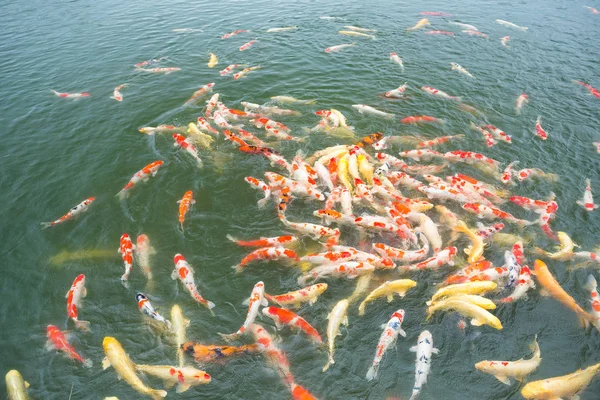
<point x="56" y="152"/>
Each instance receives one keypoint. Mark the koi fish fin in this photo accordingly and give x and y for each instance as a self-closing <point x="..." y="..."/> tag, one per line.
<point x="174" y="274"/>
<point x="158" y="394"/>
<point x="435" y="350"/>
<point x="46" y="225"/>
<point x="361" y="308"/>
<point x="390" y="297"/>
<point x="345" y="320"/>
<point x="503" y="379"/>
<point x="264" y="302"/>
<point x="372" y="372"/>
<point x="476" y="322"/>
<point x="238" y="268"/>
<point x="329" y="363"/>
<point x="87" y="363"/>
<point x="169" y="384"/>
<point x="105" y="363"/>
<point x="246" y="302"/>
<point x="402" y="332"/>
<point x="544" y="292"/>
<point x="26" y="384"/>
<point x="83" y="325"/>
<point x="50" y="346"/>
<point x="210" y="305"/>
<point x="590" y="284"/>
<point x="182" y="387"/>
<point x="413" y="349"/>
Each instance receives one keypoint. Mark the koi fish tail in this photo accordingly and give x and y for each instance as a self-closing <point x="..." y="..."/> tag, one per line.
<point x="372" y="372"/>
<point x="329" y="363"/>
<point x="361" y="311"/>
<point x="590" y="284"/>
<point x="262" y="202"/>
<point x="123" y="194"/>
<point x="158" y="394"/>
<point x="585" y="320"/>
<point x="87" y="363"/>
<point x="46" y="225"/>
<point x="180" y="359"/>
<point x="229" y="337"/>
<point x="83" y="325"/>
<point x="238" y="268"/>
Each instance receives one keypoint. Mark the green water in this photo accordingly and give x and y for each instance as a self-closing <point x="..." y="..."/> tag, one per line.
<point x="57" y="152"/>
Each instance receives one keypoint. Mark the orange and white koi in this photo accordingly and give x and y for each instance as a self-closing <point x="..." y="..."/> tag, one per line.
<point x="348" y="269"/>
<point x="58" y="341"/>
<point x="299" y="393"/>
<point x="363" y="256"/>
<point x="257" y="183"/>
<point x="418" y="119"/>
<point x="521" y="100"/>
<point x="421" y="154"/>
<point x="470" y="157"/>
<point x="71" y="95"/>
<point x="386" y="340"/>
<point x="397" y="93"/>
<point x="211" y="104"/>
<point x="72" y="214"/>
<point x="200" y="92"/>
<point x="588" y="201"/>
<point x="278" y="181"/>
<point x="164" y="70"/>
<point x="183" y="377"/>
<point x="396" y="58"/>
<point x="267" y="253"/>
<point x="243" y="73"/>
<point x="143" y="175"/>
<point x="527" y="173"/>
<point x="277" y="241"/>
<point x="283" y="317"/>
<point x="246" y="46"/>
<point x="270" y="124"/>
<point x="143" y="253"/>
<point x="74" y="296"/>
<point x="439" y="140"/>
<point x="592" y="287"/>
<point x="185" y="273"/>
<point x="504" y="41"/>
<point x="309" y="294"/>
<point x="488" y="212"/>
<point x="315" y="231"/>
<point x="117" y="92"/>
<point x="205" y="125"/>
<point x="126" y="250"/>
<point x="146" y="308"/>
<point x="327" y="257"/>
<point x="443" y="257"/>
<point x="438" y="32"/>
<point x="275" y="357"/>
<point x="186" y="144"/>
<point x="487" y="135"/>
<point x="438" y="93"/>
<point x="257" y="299"/>
<point x="472" y="32"/>
<point x="498" y="133"/>
<point x="539" y="131"/>
<point x="236" y="32"/>
<point x="184" y="206"/>
<point x="229" y="69"/>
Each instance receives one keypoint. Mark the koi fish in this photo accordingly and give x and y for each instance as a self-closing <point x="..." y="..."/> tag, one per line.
<point x="277" y="241"/>
<point x="489" y="212"/>
<point x="420" y="24"/>
<point x="289" y="99"/>
<point x="593" y="91"/>
<point x="524" y="283"/>
<point x="356" y="28"/>
<point x="475" y="251"/>
<point x="71" y="95"/>
<point x="266" y="253"/>
<point x="16" y="386"/>
<point x="284" y="29"/>
<point x="72" y="214"/>
<point x="504" y="370"/>
<point x="521" y="100"/>
<point x="58" y="341"/>
<point x="309" y="294"/>
<point x="236" y="32"/>
<point x="471" y="32"/>
<point x="459" y="68"/>
<point x="441" y="258"/>
<point x="243" y="73"/>
<point x="418" y="119"/>
<point x="146" y="308"/>
<point x="566" y="386"/>
<point x="179" y="323"/>
<point x="205" y="354"/>
<point x="165" y="71"/>
<point x="126" y="250"/>
<point x="143" y="252"/>
<point x="396" y="58"/>
<point x="424" y="350"/>
<point x="397" y="93"/>
<point x="507" y="177"/>
<point x="117" y="94"/>
<point x="498" y="133"/>
<point x="354" y="33"/>
<point x="199" y="137"/>
<point x="336" y="317"/>
<point x="74" y="296"/>
<point x="186" y="144"/>
<point x="464" y="288"/>
<point x="125" y="368"/>
<point x="184" y="206"/>
<point x="388" y="289"/>
<point x="151" y="61"/>
<point x="229" y="69"/>
<point x="592" y="287"/>
<point x="335" y="49"/>
<point x="592" y="10"/>
<point x="208" y="88"/>
<point x="588" y="201"/>
<point x="504" y="41"/>
<point x="439" y="93"/>
<point x="386" y="340"/>
<point x="479" y="315"/>
<point x="446" y="33"/>
<point x="313" y="230"/>
<point x="365" y="109"/>
<point x="151" y="130"/>
<point x="185" y="273"/>
<point x="283" y="317"/>
<point x="142" y="175"/>
<point x="463" y="26"/>
<point x="183" y="377"/>
<point x="246" y="46"/>
<point x="214" y="60"/>
<point x="256" y="300"/>
<point x="511" y="25"/>
<point x="274" y="356"/>
<point x="549" y="283"/>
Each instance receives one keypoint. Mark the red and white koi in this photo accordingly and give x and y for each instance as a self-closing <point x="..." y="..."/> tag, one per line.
<point x="72" y="214"/>
<point x="275" y="357"/>
<point x="283" y="317"/>
<point x="592" y="287"/>
<point x="507" y="174"/>
<point x="391" y="161"/>
<point x="514" y="269"/>
<point x="203" y="124"/>
<point x="186" y="144"/>
<point x="524" y="283"/>
<point x="211" y="104"/>
<point x="117" y="92"/>
<point x="270" y="124"/>
<point x="277" y="241"/>
<point x="470" y="157"/>
<point x="74" y="300"/>
<point x="164" y="70"/>
<point x="488" y="212"/>
<point x="58" y="341"/>
<point x="257" y="183"/>
<point x="441" y="258"/>
<point x="143" y="252"/>
<point x="143" y="175"/>
<point x="246" y="46"/>
<point x="498" y="133"/>
<point x="146" y="308"/>
<point x="184" y="206"/>
<point x="439" y="140"/>
<point x="487" y="135"/>
<point x="592" y="10"/>
<point x="403" y="255"/>
<point x="71" y="95"/>
<point x="527" y="173"/>
<point x="229" y="69"/>
<point x="539" y="131"/>
<point x="438" y="93"/>
<point x="396" y="58"/>
<point x="243" y="73"/>
<point x="438" y="32"/>
<point x="335" y="49"/>
<point x="386" y="340"/>
<point x="208" y="88"/>
<point x="231" y="34"/>
<point x="588" y="201"/>
<point x="348" y="269"/>
<point x="257" y="299"/>
<point x="397" y="93"/>
<point x="504" y="41"/>
<point x="485" y="232"/>
<point x="315" y="231"/>
<point x="521" y="100"/>
<point x="267" y="253"/>
<point x="126" y="250"/>
<point x="309" y="294"/>
<point x="185" y="273"/>
<point x="363" y="256"/>
<point x="593" y="91"/>
<point x="421" y="154"/>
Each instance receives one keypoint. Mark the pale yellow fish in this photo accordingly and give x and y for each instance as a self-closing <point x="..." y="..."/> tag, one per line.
<point x="365" y="168"/>
<point x="503" y="370"/>
<point x="199" y="137"/>
<point x="566" y="386"/>
<point x="479" y="287"/>
<point x="565" y="251"/>
<point x="478" y="315"/>
<point x="178" y="325"/>
<point x="213" y="60"/>
<point x="290" y="99"/>
<point x="474" y="299"/>
<point x="16" y="386"/>
<point x="357" y="29"/>
<point x="111" y="398"/>
<point x="388" y="289"/>
<point x="336" y="317"/>
<point x="183" y="377"/>
<point x="420" y="24"/>
<point x="125" y="368"/>
<point x="362" y="284"/>
<point x="353" y="167"/>
<point x="475" y="251"/>
<point x="284" y="29"/>
<point x="353" y="33"/>
<point x="341" y="117"/>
